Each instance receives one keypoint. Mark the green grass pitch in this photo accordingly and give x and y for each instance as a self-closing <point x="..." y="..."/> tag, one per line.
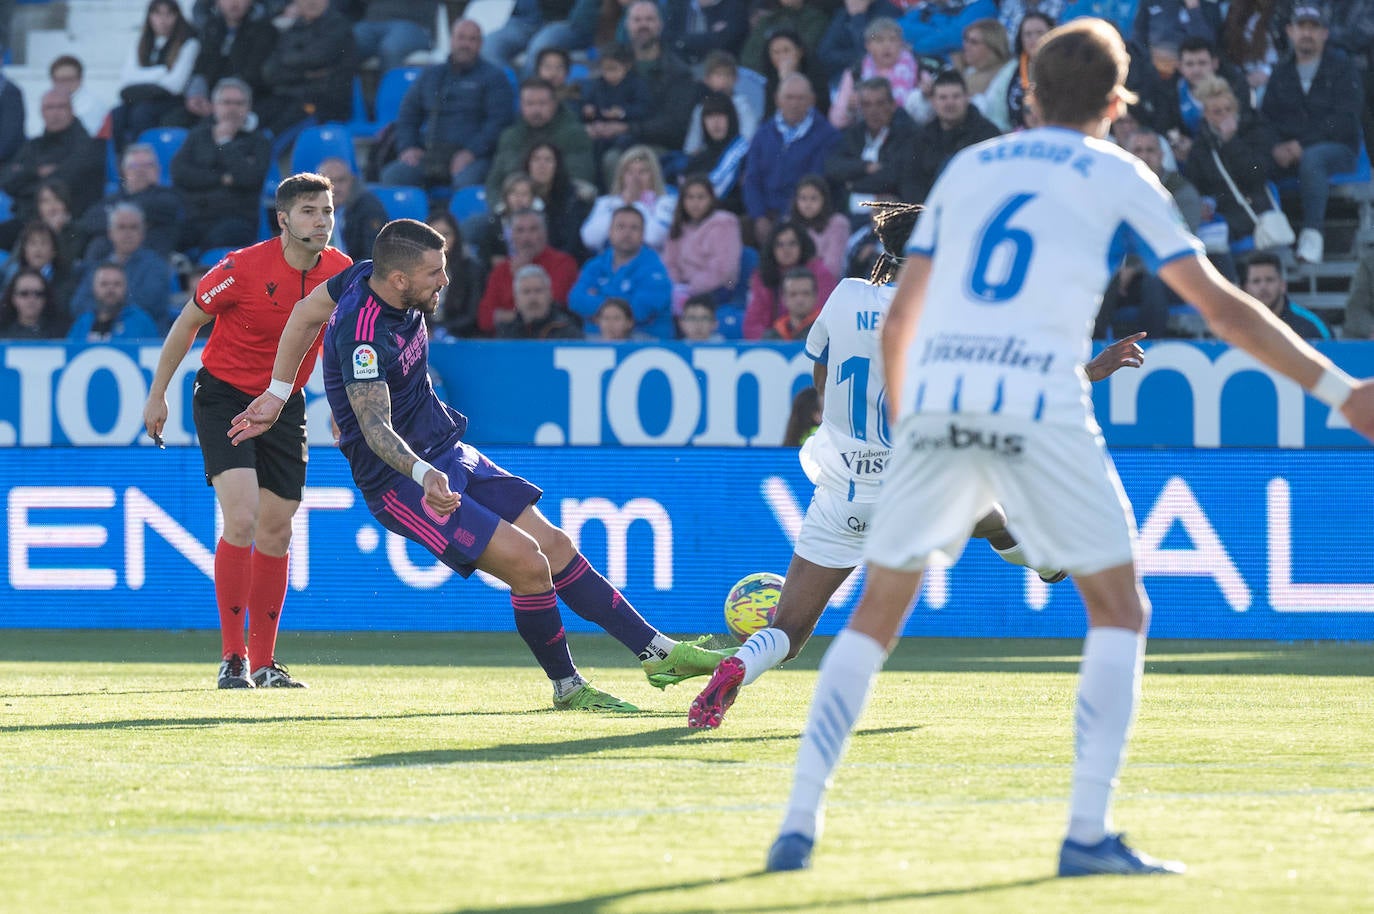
<point x="427" y="773"/>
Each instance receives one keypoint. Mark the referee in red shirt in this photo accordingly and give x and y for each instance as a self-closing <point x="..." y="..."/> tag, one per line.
<point x="251" y="292"/>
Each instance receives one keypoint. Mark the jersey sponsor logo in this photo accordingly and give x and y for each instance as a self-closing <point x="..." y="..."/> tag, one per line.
<point x="365" y="363"/>
<point x="209" y="294"/>
<point x="867" y="462"/>
<point x="856" y="525"/>
<point x="961" y="438"/>
<point x="985" y="350"/>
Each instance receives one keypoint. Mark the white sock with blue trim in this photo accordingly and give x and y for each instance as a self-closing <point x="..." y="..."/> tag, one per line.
<point x="847" y="673"/>
<point x="765" y="649"/>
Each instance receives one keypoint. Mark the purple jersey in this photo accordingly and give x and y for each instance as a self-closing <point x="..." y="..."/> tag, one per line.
<point x="369" y="340"/>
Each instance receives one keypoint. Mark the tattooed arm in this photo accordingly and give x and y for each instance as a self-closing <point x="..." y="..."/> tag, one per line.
<point x="371" y="403"/>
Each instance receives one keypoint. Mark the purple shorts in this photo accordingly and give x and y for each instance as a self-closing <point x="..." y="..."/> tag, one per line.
<point x="490" y="495"/>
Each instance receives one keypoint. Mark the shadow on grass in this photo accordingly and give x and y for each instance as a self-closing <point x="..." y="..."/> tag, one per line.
<point x="596" y="903"/>
<point x="562" y="748"/>
<point x="501" y="649"/>
<point x="189" y="723"/>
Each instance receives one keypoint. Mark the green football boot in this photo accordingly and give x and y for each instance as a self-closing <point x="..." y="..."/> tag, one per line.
<point x="587" y="698"/>
<point x="685" y="660"/>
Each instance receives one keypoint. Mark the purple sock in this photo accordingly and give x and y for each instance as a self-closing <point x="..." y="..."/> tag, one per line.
<point x="595" y="599"/>
<point x="538" y="622"/>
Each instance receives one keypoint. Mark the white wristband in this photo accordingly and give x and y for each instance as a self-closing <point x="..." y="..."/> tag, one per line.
<point x="280" y="389"/>
<point x="418" y="472"/>
<point x="1334" y="387"/>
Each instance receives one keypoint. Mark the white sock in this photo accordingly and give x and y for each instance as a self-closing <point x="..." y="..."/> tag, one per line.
<point x="1108" y="692"/>
<point x="659" y="648"/>
<point x="562" y="688"/>
<point x="765" y="649"/>
<point x="847" y="672"/>
<point x="1014" y="555"/>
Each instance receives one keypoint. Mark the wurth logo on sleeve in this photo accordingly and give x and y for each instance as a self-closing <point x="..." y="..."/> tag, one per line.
<point x="209" y="295"/>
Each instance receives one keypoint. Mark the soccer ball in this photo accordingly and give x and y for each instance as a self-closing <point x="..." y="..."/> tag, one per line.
<point x="751" y="603"/>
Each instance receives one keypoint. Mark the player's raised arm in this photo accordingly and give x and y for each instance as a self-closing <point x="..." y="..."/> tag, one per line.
<point x="1242" y="321"/>
<point x="1124" y="353"/>
<point x="307" y="317"/>
<point x="371" y="403"/>
<point x="899" y="329"/>
<point x="174" y="348"/>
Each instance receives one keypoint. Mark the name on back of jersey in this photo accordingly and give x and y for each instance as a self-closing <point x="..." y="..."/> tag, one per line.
<point x="1051" y="153"/>
<point x="968" y="348"/>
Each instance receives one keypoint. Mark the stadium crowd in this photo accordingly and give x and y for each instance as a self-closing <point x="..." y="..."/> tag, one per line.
<point x="649" y="169"/>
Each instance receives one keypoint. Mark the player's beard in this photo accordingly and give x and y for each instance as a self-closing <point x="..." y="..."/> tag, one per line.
<point x="427" y="305"/>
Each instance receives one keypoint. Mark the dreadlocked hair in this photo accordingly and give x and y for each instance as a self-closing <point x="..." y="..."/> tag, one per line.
<point x="892" y="223"/>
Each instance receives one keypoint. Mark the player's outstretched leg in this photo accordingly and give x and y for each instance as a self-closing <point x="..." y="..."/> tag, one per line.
<point x="805" y="592"/>
<point x="993" y="528"/>
<point x="1108" y="694"/>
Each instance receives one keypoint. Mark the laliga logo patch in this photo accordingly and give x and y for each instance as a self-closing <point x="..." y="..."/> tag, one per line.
<point x="365" y="363"/>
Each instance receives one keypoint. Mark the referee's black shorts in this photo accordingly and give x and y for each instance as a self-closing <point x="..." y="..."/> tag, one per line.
<point x="278" y="455"/>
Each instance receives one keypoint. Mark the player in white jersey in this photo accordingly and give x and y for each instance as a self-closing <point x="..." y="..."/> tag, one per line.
<point x="845" y="458"/>
<point x="981" y="349"/>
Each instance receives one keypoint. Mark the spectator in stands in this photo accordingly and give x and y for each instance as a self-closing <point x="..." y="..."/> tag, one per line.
<point x="1161" y="25"/>
<point x="813" y="210"/>
<point x="554" y="66"/>
<point x="38" y="250"/>
<point x="358" y="214"/>
<point x="220" y="170"/>
<point x="787" y="55"/>
<point x="720" y="74"/>
<point x="627" y="269"/>
<point x="11" y="118"/>
<point x="144" y="273"/>
<point x="698" y="323"/>
<point x="311" y="70"/>
<point x="1314" y="101"/>
<point x="800" y="306"/>
<point x="140" y="174"/>
<point x="565" y="207"/>
<point x="936" y="28"/>
<point x="392" y="30"/>
<point x="845" y="41"/>
<point x="794" y="142"/>
<point x="957" y="125"/>
<point x="873" y="158"/>
<point x="614" y="101"/>
<point x="512" y="39"/>
<point x="1014" y="12"/>
<point x="233" y="43"/>
<point x="569" y="26"/>
<point x="723" y="150"/>
<point x="1247" y="41"/>
<point x="489" y="232"/>
<point x="536" y="315"/>
<point x="807" y="20"/>
<point x="638" y="182"/>
<point x="1238" y="142"/>
<point x="55" y="211"/>
<point x="986" y="53"/>
<point x="451" y="117"/>
<point x="542" y="120"/>
<point x="1262" y="277"/>
<point x="887" y="57"/>
<point x="789" y="246"/>
<point x="1359" y="305"/>
<point x="529" y="244"/>
<point x="1032" y="27"/>
<point x="671" y="86"/>
<point x="703" y="250"/>
<point x="457" y="312"/>
<point x="615" y="322"/>
<point x="64" y="150"/>
<point x="700" y="28"/>
<point x="112" y="316"/>
<point x="155" y="73"/>
<point x="68" y="74"/>
<point x="28" y="310"/>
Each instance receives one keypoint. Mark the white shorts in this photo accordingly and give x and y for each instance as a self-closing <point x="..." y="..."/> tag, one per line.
<point x="833" y="531"/>
<point x="1063" y="500"/>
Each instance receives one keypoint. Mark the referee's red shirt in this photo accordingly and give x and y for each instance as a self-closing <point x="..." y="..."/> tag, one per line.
<point x="250" y="293"/>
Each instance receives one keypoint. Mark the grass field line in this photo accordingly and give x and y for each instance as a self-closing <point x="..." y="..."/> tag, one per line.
<point x="542" y="816"/>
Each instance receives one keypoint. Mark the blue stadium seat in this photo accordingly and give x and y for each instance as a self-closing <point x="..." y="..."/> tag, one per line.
<point x="578" y="71"/>
<point x="731" y="321"/>
<point x="6" y="206"/>
<point x="111" y="168"/>
<point x="468" y="201"/>
<point x="390" y="90"/>
<point x="166" y="141"/>
<point x="315" y="144"/>
<point x="402" y="202"/>
<point x="208" y="259"/>
<point x="748" y="263"/>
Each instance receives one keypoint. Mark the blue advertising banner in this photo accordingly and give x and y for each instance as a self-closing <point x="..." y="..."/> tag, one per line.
<point x="1236" y="543"/>
<point x="1202" y="395"/>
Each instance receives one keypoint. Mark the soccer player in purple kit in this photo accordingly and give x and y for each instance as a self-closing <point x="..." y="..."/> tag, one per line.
<point x="420" y="480"/>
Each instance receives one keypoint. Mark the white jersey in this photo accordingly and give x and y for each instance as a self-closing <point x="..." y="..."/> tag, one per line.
<point x="1019" y="229"/>
<point x="853" y="442"/>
